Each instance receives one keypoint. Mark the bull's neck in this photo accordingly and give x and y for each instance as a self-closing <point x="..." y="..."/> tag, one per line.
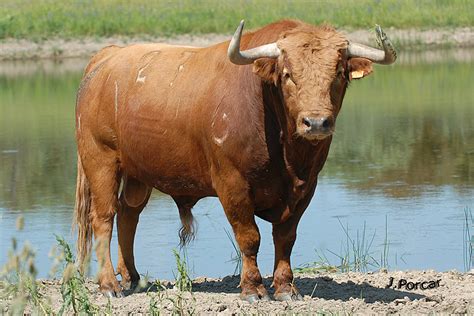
<point x="303" y="159"/>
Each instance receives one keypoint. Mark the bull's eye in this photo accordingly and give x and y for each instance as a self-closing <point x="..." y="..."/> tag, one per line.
<point x="340" y="72"/>
<point x="287" y="79"/>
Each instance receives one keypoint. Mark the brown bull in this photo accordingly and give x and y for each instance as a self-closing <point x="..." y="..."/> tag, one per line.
<point x="251" y="127"/>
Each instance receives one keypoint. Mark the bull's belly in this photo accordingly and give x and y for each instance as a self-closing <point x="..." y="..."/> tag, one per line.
<point x="171" y="165"/>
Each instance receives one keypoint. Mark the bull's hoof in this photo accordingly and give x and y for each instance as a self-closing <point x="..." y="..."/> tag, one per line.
<point x="265" y="298"/>
<point x="285" y="297"/>
<point x="251" y="298"/>
<point x="119" y="294"/>
<point x="126" y="285"/>
<point x="112" y="294"/>
<point x="129" y="285"/>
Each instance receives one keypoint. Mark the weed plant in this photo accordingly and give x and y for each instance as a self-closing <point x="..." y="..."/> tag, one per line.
<point x="356" y="254"/>
<point x="236" y="256"/>
<point x="18" y="282"/>
<point x="468" y="240"/>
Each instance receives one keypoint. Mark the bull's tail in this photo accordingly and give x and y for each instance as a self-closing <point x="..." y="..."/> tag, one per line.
<point x="188" y="228"/>
<point x="82" y="219"/>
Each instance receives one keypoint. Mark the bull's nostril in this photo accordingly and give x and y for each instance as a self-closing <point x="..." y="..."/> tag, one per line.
<point x="325" y="123"/>
<point x="307" y="122"/>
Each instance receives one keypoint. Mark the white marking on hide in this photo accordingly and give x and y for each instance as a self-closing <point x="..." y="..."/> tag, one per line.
<point x="141" y="78"/>
<point x="220" y="140"/>
<point x="116" y="98"/>
<point x="79" y="123"/>
<point x="181" y="67"/>
<point x="171" y="84"/>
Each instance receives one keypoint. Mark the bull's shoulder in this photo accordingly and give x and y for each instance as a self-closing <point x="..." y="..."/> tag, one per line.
<point x="99" y="57"/>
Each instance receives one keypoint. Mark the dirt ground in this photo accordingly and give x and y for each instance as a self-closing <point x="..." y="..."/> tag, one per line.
<point x="342" y="293"/>
<point x="20" y="49"/>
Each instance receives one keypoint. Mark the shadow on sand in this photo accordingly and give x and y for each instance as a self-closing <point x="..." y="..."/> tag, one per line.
<point x="318" y="287"/>
<point x="326" y="288"/>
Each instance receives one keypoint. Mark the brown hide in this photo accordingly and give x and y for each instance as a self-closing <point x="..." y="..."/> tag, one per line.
<point x="191" y="124"/>
<point x="173" y="113"/>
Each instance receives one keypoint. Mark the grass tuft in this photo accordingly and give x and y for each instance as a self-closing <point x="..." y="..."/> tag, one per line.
<point x="356" y="254"/>
<point x="235" y="257"/>
<point x="20" y="290"/>
<point x="18" y="280"/>
<point x="73" y="288"/>
<point x="468" y="240"/>
<point x="184" y="300"/>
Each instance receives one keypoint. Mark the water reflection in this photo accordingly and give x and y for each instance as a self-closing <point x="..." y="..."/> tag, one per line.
<point x="404" y="146"/>
<point x="37" y="148"/>
<point x="407" y="129"/>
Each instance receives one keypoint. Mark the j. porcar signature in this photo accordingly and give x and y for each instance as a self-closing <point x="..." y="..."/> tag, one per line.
<point x="408" y="285"/>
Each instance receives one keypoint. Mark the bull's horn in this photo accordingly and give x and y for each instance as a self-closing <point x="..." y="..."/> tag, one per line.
<point x="386" y="56"/>
<point x="248" y="56"/>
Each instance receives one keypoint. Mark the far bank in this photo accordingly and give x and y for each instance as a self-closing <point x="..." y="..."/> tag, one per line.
<point x="61" y="48"/>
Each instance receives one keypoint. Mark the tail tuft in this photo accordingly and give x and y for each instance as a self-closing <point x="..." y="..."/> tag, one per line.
<point x="82" y="218"/>
<point x="188" y="228"/>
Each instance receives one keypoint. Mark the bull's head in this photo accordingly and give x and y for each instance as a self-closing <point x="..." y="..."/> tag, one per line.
<point x="312" y="67"/>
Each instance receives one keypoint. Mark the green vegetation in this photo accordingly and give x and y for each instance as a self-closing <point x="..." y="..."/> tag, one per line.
<point x="73" y="288"/>
<point x="18" y="280"/>
<point x="468" y="240"/>
<point x="76" y="18"/>
<point x="20" y="291"/>
<point x="184" y="301"/>
<point x="356" y="254"/>
<point x="235" y="257"/>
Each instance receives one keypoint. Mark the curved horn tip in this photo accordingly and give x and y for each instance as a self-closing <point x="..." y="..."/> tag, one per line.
<point x="380" y="33"/>
<point x="241" y="25"/>
<point x="239" y="29"/>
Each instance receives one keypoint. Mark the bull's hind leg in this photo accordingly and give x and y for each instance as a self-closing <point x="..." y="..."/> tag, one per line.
<point x="133" y="199"/>
<point x="234" y="195"/>
<point x="101" y="169"/>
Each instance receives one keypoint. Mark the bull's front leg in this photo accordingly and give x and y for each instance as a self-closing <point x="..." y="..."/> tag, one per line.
<point x="234" y="195"/>
<point x="284" y="236"/>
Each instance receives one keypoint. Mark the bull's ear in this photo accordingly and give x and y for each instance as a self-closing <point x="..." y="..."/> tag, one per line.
<point x="359" y="68"/>
<point x="266" y="68"/>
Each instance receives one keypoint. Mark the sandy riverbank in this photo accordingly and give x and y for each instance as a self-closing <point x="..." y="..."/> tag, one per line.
<point x="58" y="48"/>
<point x="346" y="293"/>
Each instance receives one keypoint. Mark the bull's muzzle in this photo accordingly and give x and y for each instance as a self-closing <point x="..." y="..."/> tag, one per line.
<point x="316" y="127"/>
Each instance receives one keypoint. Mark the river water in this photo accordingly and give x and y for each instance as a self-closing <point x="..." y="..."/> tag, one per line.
<point x="403" y="154"/>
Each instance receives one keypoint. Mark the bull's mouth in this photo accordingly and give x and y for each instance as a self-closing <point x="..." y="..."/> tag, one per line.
<point x="315" y="136"/>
